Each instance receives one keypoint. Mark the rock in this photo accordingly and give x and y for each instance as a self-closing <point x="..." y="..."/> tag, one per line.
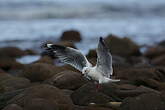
<point x="45" y="96"/>
<point x="66" y="44"/>
<point x="137" y="61"/>
<point x="153" y="52"/>
<point x="137" y="74"/>
<point x="8" y="63"/>
<point x="91" y="108"/>
<point x="92" y="54"/>
<point x="30" y="52"/>
<point x="87" y="94"/>
<point x="162" y="43"/>
<point x="71" y="35"/>
<point x="38" y="71"/>
<point x="40" y="104"/>
<point x="160" y="60"/>
<point x="5" y="97"/>
<point x="67" y="80"/>
<point x="122" y="46"/>
<point x="1" y="71"/>
<point x="11" y="83"/>
<point x="45" y="59"/>
<point x="11" y="52"/>
<point x="13" y="107"/>
<point x="67" y="92"/>
<point x="149" y="101"/>
<point x="155" y="84"/>
<point x="118" y="92"/>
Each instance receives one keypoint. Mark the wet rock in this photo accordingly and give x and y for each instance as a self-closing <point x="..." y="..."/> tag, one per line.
<point x="38" y="71"/>
<point x="71" y="35"/>
<point x="67" y="80"/>
<point x="7" y="63"/>
<point x="11" y="52"/>
<point x="89" y="94"/>
<point x="160" y="60"/>
<point x="153" y="52"/>
<point x="45" y="96"/>
<point x="13" y="107"/>
<point x="122" y="46"/>
<point x="40" y="104"/>
<point x="10" y="83"/>
<point x="150" y="101"/>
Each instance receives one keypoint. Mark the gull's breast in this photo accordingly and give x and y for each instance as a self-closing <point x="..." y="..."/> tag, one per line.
<point x="95" y="75"/>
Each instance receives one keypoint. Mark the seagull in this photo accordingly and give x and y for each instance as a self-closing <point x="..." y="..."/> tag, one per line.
<point x="101" y="72"/>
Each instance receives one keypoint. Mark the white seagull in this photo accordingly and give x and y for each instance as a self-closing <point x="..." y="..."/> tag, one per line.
<point x="101" y="72"/>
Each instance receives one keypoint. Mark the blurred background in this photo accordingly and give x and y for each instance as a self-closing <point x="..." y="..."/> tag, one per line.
<point x="28" y="23"/>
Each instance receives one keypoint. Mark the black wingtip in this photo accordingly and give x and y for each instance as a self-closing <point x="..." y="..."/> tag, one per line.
<point x="102" y="40"/>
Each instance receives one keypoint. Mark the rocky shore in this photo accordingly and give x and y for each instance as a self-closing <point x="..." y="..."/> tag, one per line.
<point x="44" y="85"/>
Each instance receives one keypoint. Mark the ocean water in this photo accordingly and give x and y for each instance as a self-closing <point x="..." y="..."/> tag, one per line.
<point x="28" y="23"/>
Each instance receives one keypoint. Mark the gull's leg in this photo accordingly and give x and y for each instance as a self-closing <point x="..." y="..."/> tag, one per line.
<point x="98" y="86"/>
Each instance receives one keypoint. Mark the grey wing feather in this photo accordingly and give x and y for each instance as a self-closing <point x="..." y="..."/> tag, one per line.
<point x="70" y="56"/>
<point x="104" y="59"/>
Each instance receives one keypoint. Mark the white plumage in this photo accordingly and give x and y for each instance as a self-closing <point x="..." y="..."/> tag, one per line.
<point x="101" y="72"/>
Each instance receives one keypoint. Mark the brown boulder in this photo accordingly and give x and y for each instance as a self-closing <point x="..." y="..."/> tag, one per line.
<point x="30" y="52"/>
<point x="10" y="83"/>
<point x="122" y="46"/>
<point x="155" y="84"/>
<point x="44" y="95"/>
<point x="153" y="52"/>
<point x="13" y="107"/>
<point x="149" y="101"/>
<point x="88" y="94"/>
<point x="119" y="92"/>
<point x="38" y="71"/>
<point x="66" y="43"/>
<point x="137" y="74"/>
<point x="67" y="80"/>
<point x="160" y="60"/>
<point x="92" y="54"/>
<point x="71" y="35"/>
<point x="90" y="108"/>
<point x="45" y="59"/>
<point x="40" y="104"/>
<point x="7" y="63"/>
<point x="162" y="43"/>
<point x="1" y="71"/>
<point x="11" y="52"/>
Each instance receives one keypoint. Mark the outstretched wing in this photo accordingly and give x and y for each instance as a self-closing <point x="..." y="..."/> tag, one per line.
<point x="69" y="56"/>
<point x="104" y="59"/>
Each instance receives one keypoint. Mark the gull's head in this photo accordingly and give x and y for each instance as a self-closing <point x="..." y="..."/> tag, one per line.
<point x="85" y="70"/>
